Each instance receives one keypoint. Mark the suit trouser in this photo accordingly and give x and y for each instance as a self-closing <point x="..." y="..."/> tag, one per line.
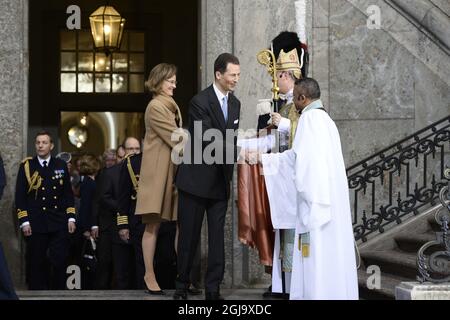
<point x="123" y="265"/>
<point x="165" y="256"/>
<point x="103" y="275"/>
<point x="137" y="232"/>
<point x="191" y="210"/>
<point x="55" y="246"/>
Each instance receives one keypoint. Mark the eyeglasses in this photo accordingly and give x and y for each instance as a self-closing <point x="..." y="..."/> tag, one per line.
<point x="174" y="82"/>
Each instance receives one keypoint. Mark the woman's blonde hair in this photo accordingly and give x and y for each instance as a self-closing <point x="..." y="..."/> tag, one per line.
<point x="159" y="73"/>
<point x="89" y="165"/>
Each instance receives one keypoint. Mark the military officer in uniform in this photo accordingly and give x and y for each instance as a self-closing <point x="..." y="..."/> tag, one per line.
<point x="130" y="225"/>
<point x="46" y="213"/>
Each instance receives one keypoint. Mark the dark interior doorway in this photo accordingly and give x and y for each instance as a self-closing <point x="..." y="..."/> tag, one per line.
<point x="168" y="31"/>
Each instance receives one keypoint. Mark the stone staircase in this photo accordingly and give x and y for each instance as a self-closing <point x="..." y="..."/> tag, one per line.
<point x="395" y="253"/>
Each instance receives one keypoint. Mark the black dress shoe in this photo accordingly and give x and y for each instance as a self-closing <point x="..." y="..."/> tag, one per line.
<point x="180" y="294"/>
<point x="213" y="296"/>
<point x="155" y="292"/>
<point x="193" y="291"/>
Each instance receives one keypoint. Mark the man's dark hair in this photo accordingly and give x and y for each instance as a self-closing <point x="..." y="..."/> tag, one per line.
<point x="44" y="133"/>
<point x="222" y="62"/>
<point x="309" y="88"/>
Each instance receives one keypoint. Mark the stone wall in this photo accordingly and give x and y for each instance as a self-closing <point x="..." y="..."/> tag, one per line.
<point x="13" y="118"/>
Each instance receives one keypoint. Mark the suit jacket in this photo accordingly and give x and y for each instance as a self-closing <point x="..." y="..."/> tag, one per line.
<point x="203" y="179"/>
<point x="48" y="205"/>
<point x="105" y="210"/>
<point x="87" y="194"/>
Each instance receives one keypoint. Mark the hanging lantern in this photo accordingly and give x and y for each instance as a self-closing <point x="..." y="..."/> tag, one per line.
<point x="107" y="29"/>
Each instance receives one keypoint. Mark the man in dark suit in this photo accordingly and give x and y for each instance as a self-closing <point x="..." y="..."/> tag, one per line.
<point x="45" y="208"/>
<point x="203" y="180"/>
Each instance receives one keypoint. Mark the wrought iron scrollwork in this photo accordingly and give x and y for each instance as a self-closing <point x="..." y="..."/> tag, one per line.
<point x="435" y="267"/>
<point x="395" y="182"/>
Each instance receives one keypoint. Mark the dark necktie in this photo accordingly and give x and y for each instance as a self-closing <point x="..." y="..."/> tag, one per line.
<point x="44" y="164"/>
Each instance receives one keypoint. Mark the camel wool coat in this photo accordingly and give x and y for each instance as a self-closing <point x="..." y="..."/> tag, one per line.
<point x="157" y="196"/>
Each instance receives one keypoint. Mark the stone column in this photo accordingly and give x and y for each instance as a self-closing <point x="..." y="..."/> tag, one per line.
<point x="13" y="119"/>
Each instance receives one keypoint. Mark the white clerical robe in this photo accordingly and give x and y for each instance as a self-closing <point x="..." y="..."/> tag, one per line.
<point x="308" y="190"/>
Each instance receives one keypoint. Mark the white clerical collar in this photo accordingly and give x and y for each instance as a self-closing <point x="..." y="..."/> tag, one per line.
<point x="290" y="96"/>
<point x="219" y="94"/>
<point x="317" y="104"/>
<point x="41" y="160"/>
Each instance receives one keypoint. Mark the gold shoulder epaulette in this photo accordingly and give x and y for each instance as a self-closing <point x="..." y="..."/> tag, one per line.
<point x="27" y="159"/>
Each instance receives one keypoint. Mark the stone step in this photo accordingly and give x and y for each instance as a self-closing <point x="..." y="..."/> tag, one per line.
<point x="435" y="227"/>
<point x="413" y="242"/>
<point x="400" y="263"/>
<point x="229" y="294"/>
<point x="386" y="290"/>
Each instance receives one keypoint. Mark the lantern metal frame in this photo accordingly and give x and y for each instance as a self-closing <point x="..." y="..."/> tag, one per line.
<point x="100" y="18"/>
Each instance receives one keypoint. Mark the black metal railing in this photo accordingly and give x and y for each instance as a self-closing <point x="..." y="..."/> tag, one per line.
<point x="398" y="181"/>
<point x="434" y="266"/>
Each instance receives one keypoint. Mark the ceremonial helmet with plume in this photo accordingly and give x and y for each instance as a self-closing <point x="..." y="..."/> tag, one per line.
<point x="291" y="54"/>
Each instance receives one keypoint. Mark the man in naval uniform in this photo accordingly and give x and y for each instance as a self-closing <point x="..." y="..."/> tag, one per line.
<point x="46" y="213"/>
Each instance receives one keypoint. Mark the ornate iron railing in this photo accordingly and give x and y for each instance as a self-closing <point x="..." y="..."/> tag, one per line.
<point x="398" y="181"/>
<point x="434" y="266"/>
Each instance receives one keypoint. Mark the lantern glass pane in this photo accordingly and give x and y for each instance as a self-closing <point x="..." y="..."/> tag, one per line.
<point x="124" y="44"/>
<point x="97" y="31"/>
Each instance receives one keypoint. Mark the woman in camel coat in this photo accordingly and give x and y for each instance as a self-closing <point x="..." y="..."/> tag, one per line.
<point x="157" y="196"/>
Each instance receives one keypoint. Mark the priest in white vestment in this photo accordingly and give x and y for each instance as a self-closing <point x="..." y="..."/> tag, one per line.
<point x="308" y="190"/>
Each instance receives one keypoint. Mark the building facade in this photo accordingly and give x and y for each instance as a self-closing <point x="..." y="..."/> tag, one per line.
<point x="383" y="65"/>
